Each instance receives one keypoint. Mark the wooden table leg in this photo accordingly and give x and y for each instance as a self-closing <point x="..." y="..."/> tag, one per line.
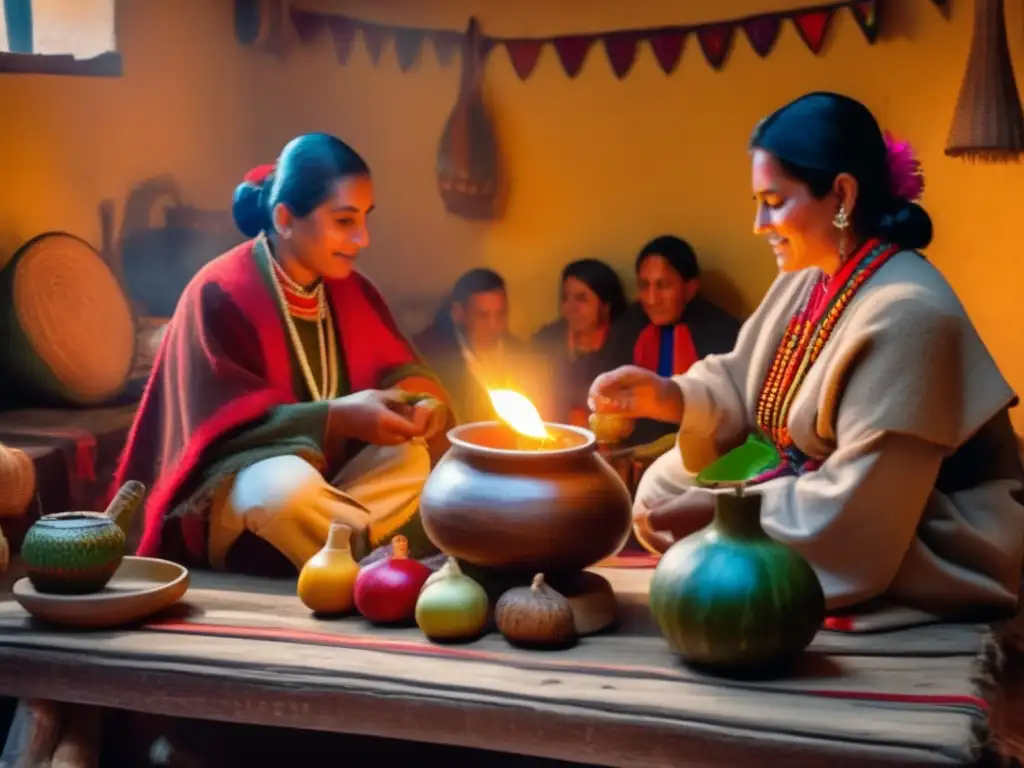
<point x="33" y="736"/>
<point x="47" y="734"/>
<point x="79" y="745"/>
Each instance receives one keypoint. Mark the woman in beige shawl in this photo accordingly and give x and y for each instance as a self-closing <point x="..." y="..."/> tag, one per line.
<point x="897" y="471"/>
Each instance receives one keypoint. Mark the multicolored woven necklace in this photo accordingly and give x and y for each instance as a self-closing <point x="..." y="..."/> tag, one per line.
<point x="805" y="337"/>
<point x="300" y="306"/>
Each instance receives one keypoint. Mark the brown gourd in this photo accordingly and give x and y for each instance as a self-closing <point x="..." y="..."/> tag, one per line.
<point x="535" y="616"/>
<point x="468" y="167"/>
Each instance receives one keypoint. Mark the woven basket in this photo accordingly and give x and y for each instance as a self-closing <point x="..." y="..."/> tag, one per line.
<point x="67" y="333"/>
<point x="17" y="482"/>
<point x="988" y="123"/>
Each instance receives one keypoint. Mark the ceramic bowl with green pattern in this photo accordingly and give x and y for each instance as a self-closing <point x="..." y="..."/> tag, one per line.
<point x="72" y="553"/>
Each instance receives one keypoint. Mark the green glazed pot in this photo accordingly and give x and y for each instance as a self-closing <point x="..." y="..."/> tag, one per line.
<point x="72" y="553"/>
<point x="75" y="553"/>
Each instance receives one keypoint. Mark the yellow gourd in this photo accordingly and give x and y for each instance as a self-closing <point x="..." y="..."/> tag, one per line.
<point x="327" y="580"/>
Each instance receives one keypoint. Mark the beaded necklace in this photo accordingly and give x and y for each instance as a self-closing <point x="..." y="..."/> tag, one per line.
<point x="310" y="305"/>
<point x="805" y="337"/>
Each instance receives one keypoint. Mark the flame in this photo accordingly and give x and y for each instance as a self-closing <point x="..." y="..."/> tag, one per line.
<point x="519" y="413"/>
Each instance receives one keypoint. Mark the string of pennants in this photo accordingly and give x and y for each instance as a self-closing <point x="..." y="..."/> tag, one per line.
<point x="715" y="39"/>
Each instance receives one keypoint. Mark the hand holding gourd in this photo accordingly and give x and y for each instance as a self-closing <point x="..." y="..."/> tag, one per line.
<point x="636" y="393"/>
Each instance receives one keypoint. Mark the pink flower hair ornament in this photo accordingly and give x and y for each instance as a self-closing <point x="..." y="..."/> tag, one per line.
<point x="259" y="174"/>
<point x="905" y="175"/>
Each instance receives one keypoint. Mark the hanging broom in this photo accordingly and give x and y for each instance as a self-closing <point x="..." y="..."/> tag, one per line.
<point x="988" y="123"/>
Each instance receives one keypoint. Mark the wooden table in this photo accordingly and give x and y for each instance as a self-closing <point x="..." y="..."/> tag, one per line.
<point x="245" y="650"/>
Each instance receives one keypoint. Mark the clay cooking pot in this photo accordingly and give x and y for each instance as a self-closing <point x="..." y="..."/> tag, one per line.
<point x="493" y="505"/>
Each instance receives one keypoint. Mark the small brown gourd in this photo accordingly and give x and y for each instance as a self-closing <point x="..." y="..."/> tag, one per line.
<point x="535" y="616"/>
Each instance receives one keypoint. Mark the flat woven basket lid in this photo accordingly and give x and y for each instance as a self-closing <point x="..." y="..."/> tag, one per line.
<point x="74" y="315"/>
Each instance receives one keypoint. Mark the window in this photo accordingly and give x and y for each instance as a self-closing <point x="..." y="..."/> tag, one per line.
<point x="59" y="37"/>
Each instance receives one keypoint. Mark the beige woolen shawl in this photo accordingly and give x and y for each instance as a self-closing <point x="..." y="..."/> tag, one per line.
<point x="903" y="383"/>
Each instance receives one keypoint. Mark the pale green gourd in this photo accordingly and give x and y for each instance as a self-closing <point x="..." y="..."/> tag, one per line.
<point x="451" y="605"/>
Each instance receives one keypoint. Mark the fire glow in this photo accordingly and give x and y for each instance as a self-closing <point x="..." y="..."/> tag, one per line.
<point x="522" y="416"/>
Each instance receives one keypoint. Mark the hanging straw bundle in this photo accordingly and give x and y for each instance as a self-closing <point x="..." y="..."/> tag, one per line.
<point x="988" y="124"/>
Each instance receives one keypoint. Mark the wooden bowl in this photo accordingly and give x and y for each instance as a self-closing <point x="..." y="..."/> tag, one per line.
<point x="140" y="587"/>
<point x="495" y="504"/>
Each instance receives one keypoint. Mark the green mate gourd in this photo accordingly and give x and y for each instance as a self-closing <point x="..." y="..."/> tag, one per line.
<point x="730" y="596"/>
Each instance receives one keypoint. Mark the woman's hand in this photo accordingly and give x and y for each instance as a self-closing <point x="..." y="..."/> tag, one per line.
<point x="676" y="518"/>
<point x="386" y="417"/>
<point x="637" y="393"/>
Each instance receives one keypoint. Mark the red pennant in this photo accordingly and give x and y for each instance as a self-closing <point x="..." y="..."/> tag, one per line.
<point x="373" y="37"/>
<point x="813" y="27"/>
<point x="620" y="48"/>
<point x="445" y="46"/>
<point x="524" y="55"/>
<point x="572" y="51"/>
<point x="408" y="43"/>
<point x="307" y="24"/>
<point x="343" y="32"/>
<point x="866" y="14"/>
<point x="715" y="41"/>
<point x="762" y="32"/>
<point x="668" y="48"/>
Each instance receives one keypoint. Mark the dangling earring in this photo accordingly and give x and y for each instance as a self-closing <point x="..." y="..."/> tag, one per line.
<point x="841" y="222"/>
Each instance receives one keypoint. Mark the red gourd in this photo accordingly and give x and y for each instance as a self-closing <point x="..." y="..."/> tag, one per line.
<point x="386" y="593"/>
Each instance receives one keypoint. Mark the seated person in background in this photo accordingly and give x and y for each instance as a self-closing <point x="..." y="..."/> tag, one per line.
<point x="471" y="349"/>
<point x="282" y="367"/>
<point x="592" y="299"/>
<point x="671" y="327"/>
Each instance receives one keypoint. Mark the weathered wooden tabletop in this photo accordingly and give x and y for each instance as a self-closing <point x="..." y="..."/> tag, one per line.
<point x="246" y="650"/>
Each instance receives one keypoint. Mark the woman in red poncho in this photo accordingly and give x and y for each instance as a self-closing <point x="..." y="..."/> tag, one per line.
<point x="276" y="401"/>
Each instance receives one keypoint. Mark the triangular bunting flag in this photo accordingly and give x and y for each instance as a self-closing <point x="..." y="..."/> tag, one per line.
<point x="572" y="51"/>
<point x="667" y="45"/>
<point x="307" y="24"/>
<point x="373" y="38"/>
<point x="445" y="45"/>
<point x="343" y="32"/>
<point x="715" y="41"/>
<point x="866" y="15"/>
<point x="408" y="43"/>
<point x="813" y="27"/>
<point x="524" y="55"/>
<point x="762" y="32"/>
<point x="621" y="50"/>
<point x="715" y="38"/>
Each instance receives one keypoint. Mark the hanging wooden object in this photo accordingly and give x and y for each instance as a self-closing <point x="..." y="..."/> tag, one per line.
<point x="468" y="166"/>
<point x="988" y="124"/>
<point x="260" y="24"/>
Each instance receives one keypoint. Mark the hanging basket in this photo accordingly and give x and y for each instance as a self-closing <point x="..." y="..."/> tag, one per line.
<point x="988" y="123"/>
